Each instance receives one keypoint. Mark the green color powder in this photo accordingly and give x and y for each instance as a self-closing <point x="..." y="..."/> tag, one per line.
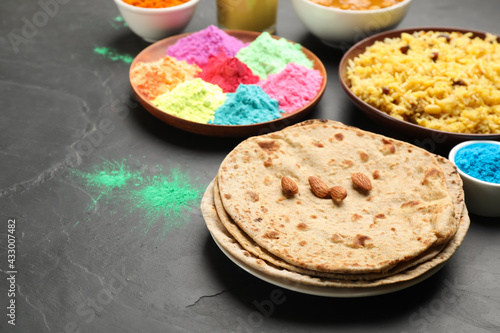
<point x="161" y="198"/>
<point x="103" y="179"/>
<point x="267" y="55"/>
<point x="118" y="22"/>
<point x="113" y="54"/>
<point x="194" y="100"/>
<point x="166" y="197"/>
<point x="108" y="176"/>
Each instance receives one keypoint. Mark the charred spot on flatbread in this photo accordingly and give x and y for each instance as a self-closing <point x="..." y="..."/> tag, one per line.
<point x="269" y="146"/>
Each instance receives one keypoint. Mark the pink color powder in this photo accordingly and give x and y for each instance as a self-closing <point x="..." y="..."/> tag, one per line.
<point x="199" y="46"/>
<point x="294" y="86"/>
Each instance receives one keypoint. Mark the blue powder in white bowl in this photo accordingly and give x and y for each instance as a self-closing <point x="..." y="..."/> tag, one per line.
<point x="481" y="161"/>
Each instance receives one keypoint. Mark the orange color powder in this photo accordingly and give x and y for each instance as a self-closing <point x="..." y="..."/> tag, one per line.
<point x="155" y="3"/>
<point x="155" y="78"/>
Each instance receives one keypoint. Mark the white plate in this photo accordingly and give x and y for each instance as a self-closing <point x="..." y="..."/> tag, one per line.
<point x="331" y="291"/>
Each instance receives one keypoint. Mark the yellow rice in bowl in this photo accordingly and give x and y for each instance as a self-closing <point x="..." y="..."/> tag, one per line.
<point x="439" y="80"/>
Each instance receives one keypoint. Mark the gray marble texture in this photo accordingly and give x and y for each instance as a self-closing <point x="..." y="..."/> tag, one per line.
<point x="82" y="265"/>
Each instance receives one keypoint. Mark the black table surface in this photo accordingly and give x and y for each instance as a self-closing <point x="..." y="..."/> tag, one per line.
<point x="82" y="264"/>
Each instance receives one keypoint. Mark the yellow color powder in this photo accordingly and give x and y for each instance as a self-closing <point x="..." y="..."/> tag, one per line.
<point x="194" y="100"/>
<point x="156" y="78"/>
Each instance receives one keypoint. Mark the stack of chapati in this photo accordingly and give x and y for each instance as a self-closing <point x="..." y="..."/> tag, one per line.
<point x="265" y="208"/>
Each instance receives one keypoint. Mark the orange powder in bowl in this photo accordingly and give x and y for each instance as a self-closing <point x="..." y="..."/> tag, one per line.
<point x="155" y="3"/>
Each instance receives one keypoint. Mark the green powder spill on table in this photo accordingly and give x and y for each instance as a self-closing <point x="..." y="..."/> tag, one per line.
<point x="161" y="198"/>
<point x="109" y="175"/>
<point x="112" y="54"/>
<point x="166" y="197"/>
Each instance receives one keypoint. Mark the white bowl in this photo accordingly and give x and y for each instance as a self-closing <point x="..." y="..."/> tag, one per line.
<point x="342" y="28"/>
<point x="481" y="197"/>
<point x="154" y="24"/>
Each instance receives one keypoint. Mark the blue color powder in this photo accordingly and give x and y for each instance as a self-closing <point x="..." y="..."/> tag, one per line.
<point x="249" y="104"/>
<point x="481" y="161"/>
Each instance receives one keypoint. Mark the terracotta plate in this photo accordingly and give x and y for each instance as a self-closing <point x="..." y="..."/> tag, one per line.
<point x="158" y="50"/>
<point x="406" y="128"/>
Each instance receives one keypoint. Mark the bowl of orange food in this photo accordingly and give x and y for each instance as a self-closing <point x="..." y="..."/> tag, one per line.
<point x="343" y="23"/>
<point x="153" y="20"/>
